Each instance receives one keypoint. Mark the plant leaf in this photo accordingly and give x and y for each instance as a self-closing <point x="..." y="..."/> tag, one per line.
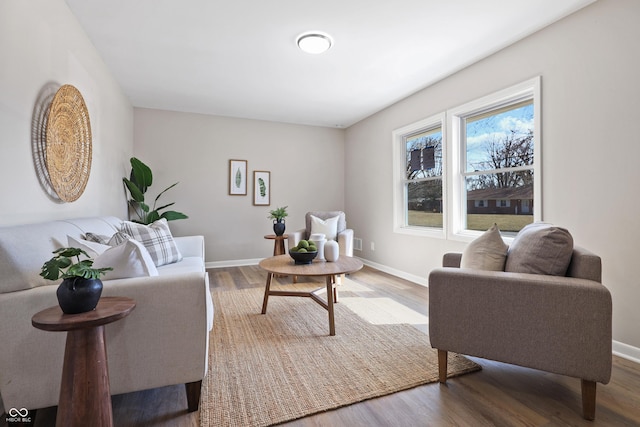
<point x="173" y="215"/>
<point x="165" y="190"/>
<point x="135" y="192"/>
<point x="141" y="174"/>
<point x="152" y="217"/>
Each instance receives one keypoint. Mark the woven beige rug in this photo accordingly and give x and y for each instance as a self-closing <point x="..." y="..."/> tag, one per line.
<point x="267" y="369"/>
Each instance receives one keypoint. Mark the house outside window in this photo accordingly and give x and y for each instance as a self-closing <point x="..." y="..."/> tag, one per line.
<point x="418" y="148"/>
<point x="495" y="141"/>
<point x="483" y="167"/>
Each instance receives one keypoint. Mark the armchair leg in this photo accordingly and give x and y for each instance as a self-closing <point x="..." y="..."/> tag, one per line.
<point x="588" y="399"/>
<point x="442" y="366"/>
<point x="193" y="395"/>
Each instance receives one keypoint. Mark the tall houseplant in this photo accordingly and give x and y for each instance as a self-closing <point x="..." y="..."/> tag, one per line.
<point x="278" y="215"/>
<point x="139" y="181"/>
<point x="81" y="286"/>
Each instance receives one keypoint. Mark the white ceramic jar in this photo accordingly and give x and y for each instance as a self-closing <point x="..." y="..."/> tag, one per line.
<point x="331" y="251"/>
<point x="319" y="240"/>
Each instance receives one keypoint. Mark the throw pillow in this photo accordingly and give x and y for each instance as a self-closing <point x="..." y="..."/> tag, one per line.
<point x="328" y="227"/>
<point x="487" y="252"/>
<point x="114" y="240"/>
<point x="540" y="248"/>
<point x="156" y="238"/>
<point x="118" y="239"/>
<point x="97" y="238"/>
<point x="92" y="248"/>
<point x="129" y="259"/>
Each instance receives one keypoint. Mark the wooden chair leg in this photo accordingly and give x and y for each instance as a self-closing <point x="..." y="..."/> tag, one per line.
<point x="442" y="366"/>
<point x="193" y="395"/>
<point x="588" y="399"/>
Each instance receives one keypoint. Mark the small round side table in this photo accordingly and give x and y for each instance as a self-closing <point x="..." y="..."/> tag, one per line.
<point x="278" y="244"/>
<point x="85" y="397"/>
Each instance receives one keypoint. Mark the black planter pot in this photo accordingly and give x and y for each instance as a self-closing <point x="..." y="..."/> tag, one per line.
<point x="278" y="227"/>
<point x="78" y="295"/>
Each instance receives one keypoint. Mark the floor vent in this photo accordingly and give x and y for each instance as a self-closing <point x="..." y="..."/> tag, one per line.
<point x="357" y="244"/>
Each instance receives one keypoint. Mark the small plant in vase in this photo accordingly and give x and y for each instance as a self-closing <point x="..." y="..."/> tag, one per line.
<point x="278" y="215"/>
<point x="81" y="286"/>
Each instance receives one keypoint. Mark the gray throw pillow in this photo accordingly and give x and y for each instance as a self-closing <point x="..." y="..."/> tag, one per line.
<point x="487" y="252"/>
<point x="540" y="248"/>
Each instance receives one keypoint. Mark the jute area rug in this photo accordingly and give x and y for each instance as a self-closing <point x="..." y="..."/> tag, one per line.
<point x="267" y="369"/>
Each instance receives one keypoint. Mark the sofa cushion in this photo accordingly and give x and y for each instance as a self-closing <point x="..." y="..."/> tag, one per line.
<point x="540" y="248"/>
<point x="129" y="259"/>
<point x="156" y="238"/>
<point x="487" y="252"/>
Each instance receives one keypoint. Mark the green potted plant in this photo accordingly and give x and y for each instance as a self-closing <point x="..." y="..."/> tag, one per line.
<point x="138" y="182"/>
<point x="278" y="215"/>
<point x="81" y="286"/>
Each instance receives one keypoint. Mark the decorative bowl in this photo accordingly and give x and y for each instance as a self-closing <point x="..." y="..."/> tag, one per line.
<point x="303" y="257"/>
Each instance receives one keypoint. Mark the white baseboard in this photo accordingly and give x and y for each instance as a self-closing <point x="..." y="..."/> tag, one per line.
<point x="620" y="349"/>
<point x="233" y="263"/>
<point x="626" y="351"/>
<point x="403" y="275"/>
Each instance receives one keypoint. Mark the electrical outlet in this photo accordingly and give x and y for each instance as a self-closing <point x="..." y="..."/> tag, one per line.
<point x="373" y="246"/>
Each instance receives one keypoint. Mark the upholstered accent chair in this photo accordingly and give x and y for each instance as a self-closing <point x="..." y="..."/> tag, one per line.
<point x="325" y="222"/>
<point x="558" y="323"/>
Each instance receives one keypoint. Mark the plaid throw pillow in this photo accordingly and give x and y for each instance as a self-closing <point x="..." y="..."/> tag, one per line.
<point x="114" y="240"/>
<point x="156" y="238"/>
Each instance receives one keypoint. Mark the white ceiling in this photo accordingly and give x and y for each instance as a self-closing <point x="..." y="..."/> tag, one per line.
<point x="239" y="58"/>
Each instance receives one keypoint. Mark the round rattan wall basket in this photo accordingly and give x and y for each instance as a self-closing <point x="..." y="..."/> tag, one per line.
<point x="68" y="144"/>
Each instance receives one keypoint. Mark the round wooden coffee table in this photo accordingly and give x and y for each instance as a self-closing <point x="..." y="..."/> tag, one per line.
<point x="284" y="265"/>
<point x="85" y="398"/>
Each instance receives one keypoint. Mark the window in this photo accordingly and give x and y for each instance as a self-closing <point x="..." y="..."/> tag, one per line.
<point x="496" y="160"/>
<point x="456" y="181"/>
<point x="418" y="150"/>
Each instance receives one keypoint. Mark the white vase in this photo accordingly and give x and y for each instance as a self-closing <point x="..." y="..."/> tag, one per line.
<point x="331" y="251"/>
<point x="319" y="240"/>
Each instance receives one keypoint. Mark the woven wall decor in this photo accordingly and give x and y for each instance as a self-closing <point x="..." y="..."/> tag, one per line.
<point x="68" y="147"/>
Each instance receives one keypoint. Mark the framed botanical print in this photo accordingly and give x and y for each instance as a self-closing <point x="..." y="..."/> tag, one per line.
<point x="261" y="188"/>
<point x="237" y="177"/>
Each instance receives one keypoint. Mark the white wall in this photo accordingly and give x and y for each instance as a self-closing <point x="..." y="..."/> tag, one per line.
<point x="306" y="165"/>
<point x="590" y="66"/>
<point x="41" y="42"/>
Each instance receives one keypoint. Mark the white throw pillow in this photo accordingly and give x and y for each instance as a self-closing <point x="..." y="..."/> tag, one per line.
<point x="130" y="259"/>
<point x="156" y="238"/>
<point x="487" y="252"/>
<point x="328" y="227"/>
<point x="92" y="248"/>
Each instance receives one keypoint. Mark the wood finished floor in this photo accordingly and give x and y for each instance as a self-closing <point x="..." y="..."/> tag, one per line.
<point x="499" y="395"/>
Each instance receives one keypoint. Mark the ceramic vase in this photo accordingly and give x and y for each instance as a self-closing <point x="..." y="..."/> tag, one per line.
<point x="78" y="295"/>
<point x="320" y="241"/>
<point x="278" y="227"/>
<point x="331" y="251"/>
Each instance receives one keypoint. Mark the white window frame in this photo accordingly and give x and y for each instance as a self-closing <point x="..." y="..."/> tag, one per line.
<point x="457" y="201"/>
<point x="400" y="223"/>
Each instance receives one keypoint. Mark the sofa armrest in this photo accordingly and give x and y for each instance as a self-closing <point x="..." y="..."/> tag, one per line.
<point x="552" y="323"/>
<point x="451" y="259"/>
<point x="295" y="237"/>
<point x="190" y="246"/>
<point x="345" y="242"/>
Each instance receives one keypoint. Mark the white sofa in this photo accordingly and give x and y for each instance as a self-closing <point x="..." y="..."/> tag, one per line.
<point x="164" y="341"/>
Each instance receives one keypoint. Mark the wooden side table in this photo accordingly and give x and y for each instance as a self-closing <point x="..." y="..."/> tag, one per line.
<point x="278" y="244"/>
<point x="85" y="397"/>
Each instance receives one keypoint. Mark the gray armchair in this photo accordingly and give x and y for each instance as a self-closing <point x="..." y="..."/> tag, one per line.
<point x="559" y="324"/>
<point x="344" y="235"/>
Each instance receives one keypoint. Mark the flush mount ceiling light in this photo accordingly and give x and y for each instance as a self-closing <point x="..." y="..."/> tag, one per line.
<point x="314" y="42"/>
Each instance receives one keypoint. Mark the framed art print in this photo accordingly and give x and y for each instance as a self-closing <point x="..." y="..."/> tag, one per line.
<point x="237" y="177"/>
<point x="261" y="188"/>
